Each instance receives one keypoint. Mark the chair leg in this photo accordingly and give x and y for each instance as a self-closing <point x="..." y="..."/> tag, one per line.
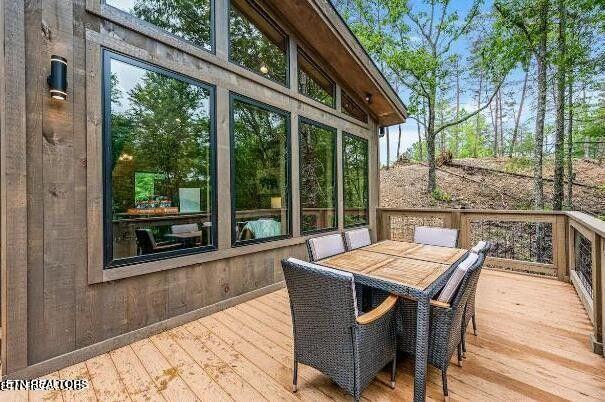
<point x="474" y="325"/>
<point x="393" y="371"/>
<point x="460" y="354"/>
<point x="464" y="344"/>
<point x="295" y="377"/>
<point x="444" y="381"/>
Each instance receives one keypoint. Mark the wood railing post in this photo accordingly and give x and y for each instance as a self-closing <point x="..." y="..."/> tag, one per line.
<point x="597" y="295"/>
<point x="560" y="241"/>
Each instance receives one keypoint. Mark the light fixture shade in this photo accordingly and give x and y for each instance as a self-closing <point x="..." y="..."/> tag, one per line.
<point x="275" y="202"/>
<point x="57" y="80"/>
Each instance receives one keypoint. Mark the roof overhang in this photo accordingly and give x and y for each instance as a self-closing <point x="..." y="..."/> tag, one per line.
<point x="317" y="23"/>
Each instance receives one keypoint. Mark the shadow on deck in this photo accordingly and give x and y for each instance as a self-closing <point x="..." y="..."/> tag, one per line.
<point x="533" y="343"/>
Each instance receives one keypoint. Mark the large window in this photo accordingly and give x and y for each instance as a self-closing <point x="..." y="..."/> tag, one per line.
<point x="313" y="82"/>
<point x="159" y="162"/>
<point x="317" y="149"/>
<point x="351" y="108"/>
<point x="256" y="42"/>
<point x="187" y="19"/>
<point x="355" y="178"/>
<point x="260" y="171"/>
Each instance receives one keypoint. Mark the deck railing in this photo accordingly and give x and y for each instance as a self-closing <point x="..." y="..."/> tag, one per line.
<point x="567" y="246"/>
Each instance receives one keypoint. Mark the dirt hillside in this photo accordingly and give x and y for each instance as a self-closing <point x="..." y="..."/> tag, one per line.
<point x="467" y="183"/>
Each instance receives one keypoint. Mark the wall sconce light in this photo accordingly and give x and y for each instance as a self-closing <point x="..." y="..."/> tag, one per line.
<point x="275" y="202"/>
<point x="368" y="98"/>
<point x="57" y="80"/>
<point x="381" y="134"/>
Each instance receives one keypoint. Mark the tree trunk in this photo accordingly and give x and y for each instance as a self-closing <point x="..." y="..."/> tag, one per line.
<point x="500" y="124"/>
<point x="541" y="107"/>
<point x="419" y="142"/>
<point x="493" y="112"/>
<point x="388" y="148"/>
<point x="570" y="173"/>
<point x="518" y="118"/>
<point x="430" y="147"/>
<point x="478" y="123"/>
<point x="457" y="128"/>
<point x="399" y="144"/>
<point x="557" y="202"/>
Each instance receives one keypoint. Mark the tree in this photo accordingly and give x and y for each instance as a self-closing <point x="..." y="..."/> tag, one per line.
<point x="418" y="49"/>
<point x="560" y="101"/>
<point x="530" y="25"/>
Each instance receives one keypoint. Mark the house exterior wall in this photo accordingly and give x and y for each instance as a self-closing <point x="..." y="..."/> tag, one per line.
<point x="58" y="304"/>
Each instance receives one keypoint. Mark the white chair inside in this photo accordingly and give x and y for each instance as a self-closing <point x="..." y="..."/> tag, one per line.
<point x="435" y="236"/>
<point x="191" y="227"/>
<point x="326" y="246"/>
<point x="357" y="238"/>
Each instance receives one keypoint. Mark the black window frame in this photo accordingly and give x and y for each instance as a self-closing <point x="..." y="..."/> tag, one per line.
<point x="108" y="261"/>
<point x="234" y="96"/>
<point x="212" y="49"/>
<point x="344" y="94"/>
<point x="257" y="8"/>
<point x="367" y="174"/>
<point x="305" y="120"/>
<point x="300" y="51"/>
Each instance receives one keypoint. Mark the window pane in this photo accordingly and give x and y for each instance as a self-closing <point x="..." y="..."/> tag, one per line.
<point x="160" y="162"/>
<point x="317" y="177"/>
<point x="188" y="19"/>
<point x="256" y="42"/>
<point x="355" y="177"/>
<point x="313" y="82"/>
<point x="351" y="108"/>
<point x="260" y="171"/>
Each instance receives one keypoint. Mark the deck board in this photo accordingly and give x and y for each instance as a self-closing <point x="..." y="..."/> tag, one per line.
<point x="532" y="345"/>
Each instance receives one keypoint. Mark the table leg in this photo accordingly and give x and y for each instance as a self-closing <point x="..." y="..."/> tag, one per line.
<point x="422" y="348"/>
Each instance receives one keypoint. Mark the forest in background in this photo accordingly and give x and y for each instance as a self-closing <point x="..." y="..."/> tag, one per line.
<point x="520" y="79"/>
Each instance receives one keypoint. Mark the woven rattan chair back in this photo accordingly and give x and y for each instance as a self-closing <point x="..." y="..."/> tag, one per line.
<point x="323" y="303"/>
<point x="436" y="236"/>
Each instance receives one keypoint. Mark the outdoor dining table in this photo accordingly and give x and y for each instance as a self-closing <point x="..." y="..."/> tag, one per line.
<point x="409" y="270"/>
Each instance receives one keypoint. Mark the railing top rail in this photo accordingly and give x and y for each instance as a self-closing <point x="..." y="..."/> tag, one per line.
<point x="475" y="211"/>
<point x="589" y="221"/>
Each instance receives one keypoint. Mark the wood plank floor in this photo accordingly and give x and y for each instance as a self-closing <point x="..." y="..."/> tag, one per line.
<point x="532" y="344"/>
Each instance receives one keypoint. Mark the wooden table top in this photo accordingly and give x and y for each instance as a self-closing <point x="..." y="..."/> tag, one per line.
<point x="442" y="255"/>
<point x="409" y="272"/>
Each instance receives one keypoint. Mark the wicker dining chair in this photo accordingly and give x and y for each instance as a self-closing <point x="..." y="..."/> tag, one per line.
<point x="325" y="246"/>
<point x="357" y="238"/>
<point x="433" y="236"/>
<point x="329" y="332"/>
<point x="469" y="311"/>
<point x="445" y="326"/>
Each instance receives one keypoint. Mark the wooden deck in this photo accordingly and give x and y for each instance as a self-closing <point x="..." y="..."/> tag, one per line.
<point x="532" y="344"/>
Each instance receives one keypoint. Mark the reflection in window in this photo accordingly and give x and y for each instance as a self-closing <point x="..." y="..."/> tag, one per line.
<point x="158" y="134"/>
<point x="317" y="176"/>
<point x="313" y="82"/>
<point x="355" y="178"/>
<point x="188" y="19"/>
<point x="256" y="42"/>
<point x="260" y="171"/>
<point x="351" y="108"/>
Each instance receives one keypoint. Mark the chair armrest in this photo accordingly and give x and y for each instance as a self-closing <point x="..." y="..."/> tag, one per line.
<point x="437" y="303"/>
<point x="434" y="303"/>
<point x="379" y="311"/>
